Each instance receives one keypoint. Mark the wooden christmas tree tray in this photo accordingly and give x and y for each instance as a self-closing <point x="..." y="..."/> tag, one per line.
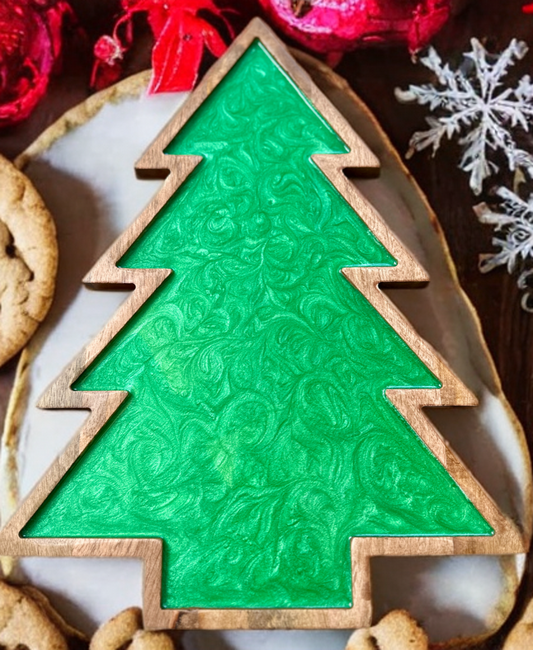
<point x="440" y="313"/>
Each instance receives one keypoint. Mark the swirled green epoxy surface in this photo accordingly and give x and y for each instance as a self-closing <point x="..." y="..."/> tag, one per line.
<point x="256" y="439"/>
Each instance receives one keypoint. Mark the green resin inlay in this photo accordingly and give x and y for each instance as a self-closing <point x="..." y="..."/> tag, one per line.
<point x="256" y="438"/>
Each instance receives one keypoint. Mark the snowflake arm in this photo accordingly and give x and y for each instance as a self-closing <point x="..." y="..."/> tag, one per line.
<point x="513" y="225"/>
<point x="471" y="104"/>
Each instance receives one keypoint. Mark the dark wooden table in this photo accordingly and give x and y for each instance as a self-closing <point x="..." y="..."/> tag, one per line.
<point x="373" y="74"/>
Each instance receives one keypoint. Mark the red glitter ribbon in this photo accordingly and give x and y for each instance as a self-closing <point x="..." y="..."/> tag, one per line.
<point x="181" y="33"/>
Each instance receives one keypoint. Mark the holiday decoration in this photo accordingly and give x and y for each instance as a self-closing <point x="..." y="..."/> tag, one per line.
<point x="30" y="45"/>
<point x="472" y="104"/>
<point x="513" y="222"/>
<point x="432" y="590"/>
<point x="181" y="33"/>
<point x="335" y="27"/>
<point x="255" y="402"/>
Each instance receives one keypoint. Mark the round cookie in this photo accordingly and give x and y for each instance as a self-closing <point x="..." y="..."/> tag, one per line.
<point x="28" y="260"/>
<point x="28" y="620"/>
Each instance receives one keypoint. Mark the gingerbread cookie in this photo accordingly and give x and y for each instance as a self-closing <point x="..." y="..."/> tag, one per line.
<point x="27" y="620"/>
<point x="396" y="631"/>
<point x="521" y="636"/>
<point x="125" y="632"/>
<point x="28" y="260"/>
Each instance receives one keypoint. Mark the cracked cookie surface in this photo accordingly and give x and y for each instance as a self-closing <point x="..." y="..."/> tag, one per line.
<point x="28" y="260"/>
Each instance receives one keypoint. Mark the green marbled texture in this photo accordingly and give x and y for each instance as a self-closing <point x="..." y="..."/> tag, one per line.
<point x="256" y="439"/>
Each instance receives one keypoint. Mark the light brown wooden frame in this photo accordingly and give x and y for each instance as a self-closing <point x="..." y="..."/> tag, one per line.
<point x="507" y="539"/>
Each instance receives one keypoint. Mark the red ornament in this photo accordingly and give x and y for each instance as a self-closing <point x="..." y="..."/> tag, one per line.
<point x="528" y="9"/>
<point x="181" y="33"/>
<point x="30" y="45"/>
<point x="334" y="26"/>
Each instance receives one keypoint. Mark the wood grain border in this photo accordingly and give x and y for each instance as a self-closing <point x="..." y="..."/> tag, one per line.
<point x="508" y="539"/>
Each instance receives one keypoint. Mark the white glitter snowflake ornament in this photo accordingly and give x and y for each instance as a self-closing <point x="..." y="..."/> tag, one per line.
<point x="513" y="225"/>
<point x="473" y="104"/>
